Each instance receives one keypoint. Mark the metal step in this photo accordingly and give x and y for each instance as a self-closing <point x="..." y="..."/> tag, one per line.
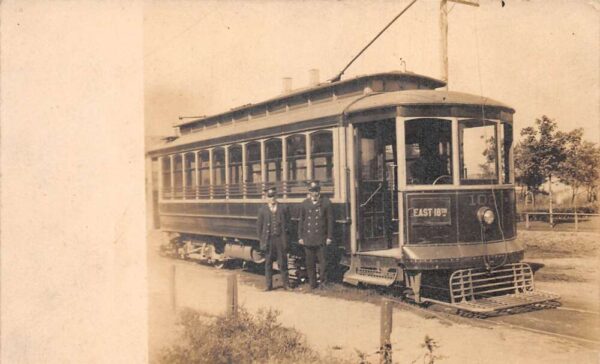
<point x="370" y="276"/>
<point x="484" y="291"/>
<point x="499" y="303"/>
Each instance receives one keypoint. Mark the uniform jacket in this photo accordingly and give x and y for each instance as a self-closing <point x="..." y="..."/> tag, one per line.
<point x="263" y="225"/>
<point x="316" y="222"/>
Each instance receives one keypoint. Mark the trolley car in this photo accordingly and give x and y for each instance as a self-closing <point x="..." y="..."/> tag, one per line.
<point x="421" y="181"/>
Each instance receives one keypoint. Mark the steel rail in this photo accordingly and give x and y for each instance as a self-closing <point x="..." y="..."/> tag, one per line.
<point x="486" y="323"/>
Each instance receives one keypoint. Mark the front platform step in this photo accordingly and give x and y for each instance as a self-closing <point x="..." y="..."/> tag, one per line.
<point x="484" y="291"/>
<point x="373" y="270"/>
<point x="499" y="303"/>
<point x="370" y="276"/>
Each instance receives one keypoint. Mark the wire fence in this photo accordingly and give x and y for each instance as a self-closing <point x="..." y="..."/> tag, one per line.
<point x="560" y="221"/>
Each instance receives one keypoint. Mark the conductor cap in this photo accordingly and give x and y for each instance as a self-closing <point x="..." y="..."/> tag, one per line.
<point x="314" y="186"/>
<point x="271" y="191"/>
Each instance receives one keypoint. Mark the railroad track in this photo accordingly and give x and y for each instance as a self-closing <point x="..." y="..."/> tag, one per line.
<point x="490" y="321"/>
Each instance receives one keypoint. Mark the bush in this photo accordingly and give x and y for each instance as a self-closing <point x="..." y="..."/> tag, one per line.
<point x="245" y="338"/>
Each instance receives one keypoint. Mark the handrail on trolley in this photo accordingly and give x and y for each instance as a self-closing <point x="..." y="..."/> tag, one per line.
<point x="372" y="195"/>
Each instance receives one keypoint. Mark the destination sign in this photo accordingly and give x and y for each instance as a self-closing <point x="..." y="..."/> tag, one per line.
<point x="430" y="211"/>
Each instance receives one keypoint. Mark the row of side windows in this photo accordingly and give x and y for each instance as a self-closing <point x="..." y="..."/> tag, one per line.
<point x="244" y="170"/>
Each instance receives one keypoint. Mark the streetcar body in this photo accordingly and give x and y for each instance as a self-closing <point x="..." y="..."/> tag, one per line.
<point x="421" y="183"/>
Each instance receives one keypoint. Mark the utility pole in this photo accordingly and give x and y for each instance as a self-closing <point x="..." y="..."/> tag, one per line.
<point x="444" y="34"/>
<point x="444" y="41"/>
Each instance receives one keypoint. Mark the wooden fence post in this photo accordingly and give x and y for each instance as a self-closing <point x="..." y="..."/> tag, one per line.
<point x="173" y="287"/>
<point x="386" y="331"/>
<point x="232" y="295"/>
<point x="527" y="221"/>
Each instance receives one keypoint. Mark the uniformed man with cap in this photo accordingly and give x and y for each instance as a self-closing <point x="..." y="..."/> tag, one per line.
<point x="272" y="229"/>
<point x="315" y="231"/>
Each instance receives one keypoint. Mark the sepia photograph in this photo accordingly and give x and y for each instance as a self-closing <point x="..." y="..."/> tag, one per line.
<point x="303" y="181"/>
<point x="372" y="182"/>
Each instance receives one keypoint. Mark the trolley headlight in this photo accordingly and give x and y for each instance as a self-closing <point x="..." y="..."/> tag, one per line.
<point x="486" y="215"/>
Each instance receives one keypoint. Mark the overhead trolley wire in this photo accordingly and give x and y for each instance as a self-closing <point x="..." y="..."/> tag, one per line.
<point x="488" y="264"/>
<point x="339" y="75"/>
<point x="169" y="42"/>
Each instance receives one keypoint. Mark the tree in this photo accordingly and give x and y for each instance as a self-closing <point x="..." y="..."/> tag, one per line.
<point x="572" y="169"/>
<point x="488" y="168"/>
<point x="547" y="147"/>
<point x="591" y="178"/>
<point x="542" y="151"/>
<point x="527" y="172"/>
<point x="581" y="167"/>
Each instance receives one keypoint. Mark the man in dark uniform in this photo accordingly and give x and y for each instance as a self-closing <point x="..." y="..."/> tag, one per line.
<point x="315" y="231"/>
<point x="272" y="229"/>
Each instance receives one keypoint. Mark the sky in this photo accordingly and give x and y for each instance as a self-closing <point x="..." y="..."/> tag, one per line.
<point x="540" y="57"/>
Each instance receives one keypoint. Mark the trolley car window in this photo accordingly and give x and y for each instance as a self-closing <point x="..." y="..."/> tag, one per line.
<point x="235" y="165"/>
<point x="190" y="170"/>
<point x="203" y="168"/>
<point x="296" y="157"/>
<point x="273" y="160"/>
<point x="166" y="172"/>
<point x="478" y="151"/>
<point x="178" y="175"/>
<point x="253" y="161"/>
<point x="371" y="161"/>
<point x="219" y="166"/>
<point x="428" y="152"/>
<point x="321" y="152"/>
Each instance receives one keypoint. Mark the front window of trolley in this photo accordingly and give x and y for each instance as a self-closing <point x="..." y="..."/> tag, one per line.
<point x="480" y="141"/>
<point x="428" y="152"/>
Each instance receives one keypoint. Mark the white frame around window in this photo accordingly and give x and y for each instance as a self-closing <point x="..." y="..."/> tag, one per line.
<point x="497" y="167"/>
<point x="306" y="154"/>
<point x="511" y="163"/>
<point x="333" y="148"/>
<point x="401" y="148"/>
<point x="267" y="159"/>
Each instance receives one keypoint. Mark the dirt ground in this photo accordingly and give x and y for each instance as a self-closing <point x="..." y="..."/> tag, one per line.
<point x="340" y="323"/>
<point x="571" y="264"/>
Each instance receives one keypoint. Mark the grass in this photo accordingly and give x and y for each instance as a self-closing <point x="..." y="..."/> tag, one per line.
<point x="246" y="338"/>
<point x="553" y="244"/>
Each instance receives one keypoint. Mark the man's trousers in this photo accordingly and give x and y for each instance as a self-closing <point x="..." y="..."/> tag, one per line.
<point x="317" y="252"/>
<point x="276" y="251"/>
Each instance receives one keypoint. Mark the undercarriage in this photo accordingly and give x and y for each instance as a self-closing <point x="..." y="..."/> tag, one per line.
<point x="476" y="290"/>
